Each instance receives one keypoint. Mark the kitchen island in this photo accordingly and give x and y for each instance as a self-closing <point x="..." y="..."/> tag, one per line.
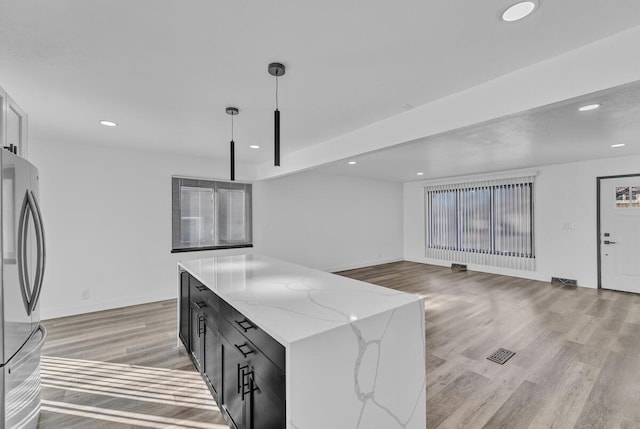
<point x="281" y="345"/>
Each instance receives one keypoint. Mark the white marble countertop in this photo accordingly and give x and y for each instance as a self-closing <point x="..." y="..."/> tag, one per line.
<point x="288" y="301"/>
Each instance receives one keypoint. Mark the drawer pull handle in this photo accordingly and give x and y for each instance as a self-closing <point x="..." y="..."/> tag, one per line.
<point x="245" y="325"/>
<point x="244" y="354"/>
<point x="200" y="304"/>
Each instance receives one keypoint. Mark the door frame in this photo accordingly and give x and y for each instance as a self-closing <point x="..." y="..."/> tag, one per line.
<point x="599" y="250"/>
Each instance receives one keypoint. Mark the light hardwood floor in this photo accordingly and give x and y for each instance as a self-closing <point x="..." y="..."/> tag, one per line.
<point x="121" y="369"/>
<point x="577" y="361"/>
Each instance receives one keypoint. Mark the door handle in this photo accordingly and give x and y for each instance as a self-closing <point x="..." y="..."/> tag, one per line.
<point x="16" y="364"/>
<point x="29" y="208"/>
<point x="23" y="273"/>
<point x="41" y="251"/>
<point x="609" y="242"/>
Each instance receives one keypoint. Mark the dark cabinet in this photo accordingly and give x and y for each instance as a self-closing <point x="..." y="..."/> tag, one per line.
<point x="241" y="364"/>
<point x="185" y="311"/>
<point x="267" y="408"/>
<point x="236" y="384"/>
<point x="253" y="386"/>
<point x="212" y="358"/>
<point x="197" y="333"/>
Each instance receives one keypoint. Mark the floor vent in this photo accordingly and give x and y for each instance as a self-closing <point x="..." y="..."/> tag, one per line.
<point x="458" y="267"/>
<point x="564" y="282"/>
<point x="501" y="356"/>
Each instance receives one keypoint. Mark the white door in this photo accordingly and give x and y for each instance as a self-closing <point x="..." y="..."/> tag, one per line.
<point x="620" y="233"/>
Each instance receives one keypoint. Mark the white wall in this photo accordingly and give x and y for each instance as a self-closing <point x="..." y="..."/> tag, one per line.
<point x="564" y="193"/>
<point x="107" y="215"/>
<point x="328" y="222"/>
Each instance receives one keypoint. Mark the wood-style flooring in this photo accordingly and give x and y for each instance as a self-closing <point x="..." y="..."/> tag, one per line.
<point x="577" y="362"/>
<point x="121" y="369"/>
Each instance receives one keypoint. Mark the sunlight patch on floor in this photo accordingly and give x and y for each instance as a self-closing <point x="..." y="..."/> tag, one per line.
<point x="125" y="417"/>
<point x="166" y="387"/>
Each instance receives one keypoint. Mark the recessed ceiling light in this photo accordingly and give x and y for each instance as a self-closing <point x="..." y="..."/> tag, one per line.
<point x="589" y="107"/>
<point x="254" y="146"/>
<point x="518" y="11"/>
<point x="617" y="145"/>
<point x="109" y="123"/>
<point x="352" y="162"/>
<point x="420" y="174"/>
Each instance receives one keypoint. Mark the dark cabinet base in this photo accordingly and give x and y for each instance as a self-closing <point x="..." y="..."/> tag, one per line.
<point x="238" y="368"/>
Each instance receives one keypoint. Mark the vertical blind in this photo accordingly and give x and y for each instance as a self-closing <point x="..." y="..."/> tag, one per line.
<point x="488" y="222"/>
<point x="208" y="214"/>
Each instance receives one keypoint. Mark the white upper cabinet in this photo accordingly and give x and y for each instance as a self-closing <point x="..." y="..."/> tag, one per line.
<point x="13" y="125"/>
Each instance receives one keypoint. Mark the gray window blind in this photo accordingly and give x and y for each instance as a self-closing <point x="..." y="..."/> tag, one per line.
<point x="489" y="222"/>
<point x="208" y="214"/>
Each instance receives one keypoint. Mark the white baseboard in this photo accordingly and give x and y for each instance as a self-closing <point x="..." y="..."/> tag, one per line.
<point x="362" y="265"/>
<point x="54" y="313"/>
<point x="523" y="274"/>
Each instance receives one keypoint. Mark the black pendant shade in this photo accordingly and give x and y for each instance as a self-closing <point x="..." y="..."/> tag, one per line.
<point x="232" y="150"/>
<point x="276" y="138"/>
<point x="277" y="70"/>
<point x="233" y="111"/>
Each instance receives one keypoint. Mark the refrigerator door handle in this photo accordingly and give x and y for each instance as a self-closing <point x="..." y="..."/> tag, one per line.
<point x="23" y="274"/>
<point x="15" y="365"/>
<point x="42" y="253"/>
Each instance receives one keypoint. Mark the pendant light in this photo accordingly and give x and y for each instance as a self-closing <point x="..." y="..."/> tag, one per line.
<point x="277" y="70"/>
<point x="233" y="111"/>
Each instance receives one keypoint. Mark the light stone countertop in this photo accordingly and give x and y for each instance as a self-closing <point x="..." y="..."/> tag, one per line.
<point x="291" y="302"/>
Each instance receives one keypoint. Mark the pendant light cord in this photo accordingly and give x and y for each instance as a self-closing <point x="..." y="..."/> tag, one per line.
<point x="232" y="127"/>
<point x="276" y="92"/>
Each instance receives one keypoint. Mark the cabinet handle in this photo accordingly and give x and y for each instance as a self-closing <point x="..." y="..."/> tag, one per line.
<point x="200" y="304"/>
<point x="245" y="388"/>
<point x="244" y="354"/>
<point x="239" y="384"/>
<point x="245" y="324"/>
<point x="201" y="319"/>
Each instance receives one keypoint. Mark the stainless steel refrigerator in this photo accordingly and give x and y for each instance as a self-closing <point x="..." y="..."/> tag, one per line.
<point x="23" y="264"/>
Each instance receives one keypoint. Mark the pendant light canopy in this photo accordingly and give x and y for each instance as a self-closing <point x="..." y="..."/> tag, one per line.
<point x="277" y="70"/>
<point x="233" y="111"/>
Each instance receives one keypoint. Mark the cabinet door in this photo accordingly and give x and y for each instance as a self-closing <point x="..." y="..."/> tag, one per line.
<point x="212" y="357"/>
<point x="233" y="402"/>
<point x="197" y="332"/>
<point x="16" y="127"/>
<point x="185" y="309"/>
<point x="267" y="410"/>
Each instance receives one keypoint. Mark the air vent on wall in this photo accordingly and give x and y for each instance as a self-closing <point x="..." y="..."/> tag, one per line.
<point x="564" y="282"/>
<point x="458" y="267"/>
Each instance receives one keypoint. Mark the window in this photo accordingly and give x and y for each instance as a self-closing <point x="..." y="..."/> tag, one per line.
<point x="488" y="223"/>
<point x="207" y="214"/>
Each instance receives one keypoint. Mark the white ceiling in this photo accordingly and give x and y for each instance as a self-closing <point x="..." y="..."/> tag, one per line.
<point x="166" y="70"/>
<point x="554" y="134"/>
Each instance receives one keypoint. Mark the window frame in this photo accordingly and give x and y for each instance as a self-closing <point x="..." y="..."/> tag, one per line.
<point x="177" y="182"/>
<point x="518" y="258"/>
